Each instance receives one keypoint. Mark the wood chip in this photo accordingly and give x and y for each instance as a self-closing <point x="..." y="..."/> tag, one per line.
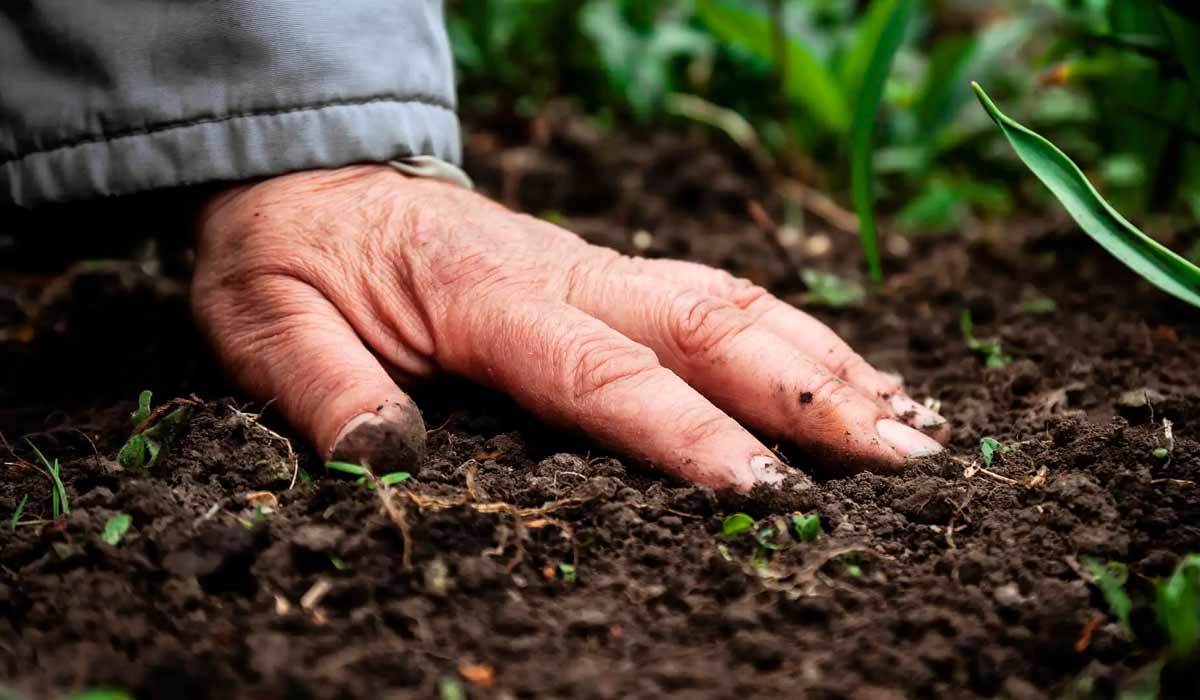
<point x="479" y="675"/>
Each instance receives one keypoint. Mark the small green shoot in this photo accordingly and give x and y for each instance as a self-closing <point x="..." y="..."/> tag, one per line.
<point x="390" y="479"/>
<point x="1177" y="604"/>
<point x="142" y="448"/>
<point x="854" y="570"/>
<point x="736" y="525"/>
<point x="116" y="527"/>
<point x="101" y="694"/>
<point x="568" y="573"/>
<point x="338" y="563"/>
<point x="16" y="516"/>
<point x="991" y="350"/>
<point x="762" y="553"/>
<point x="1110" y="578"/>
<point x="808" y="527"/>
<point x="58" y="493"/>
<point x="450" y="689"/>
<point x="828" y="289"/>
<point x="1038" y="306"/>
<point x="988" y="447"/>
<point x="1160" y="452"/>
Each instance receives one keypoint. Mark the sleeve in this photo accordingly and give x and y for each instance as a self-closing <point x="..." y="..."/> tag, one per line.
<point x="114" y="97"/>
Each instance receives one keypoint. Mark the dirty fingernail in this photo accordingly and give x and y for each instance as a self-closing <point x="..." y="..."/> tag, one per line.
<point x="920" y="417"/>
<point x="903" y="439"/>
<point x="392" y="438"/>
<point x="768" y="470"/>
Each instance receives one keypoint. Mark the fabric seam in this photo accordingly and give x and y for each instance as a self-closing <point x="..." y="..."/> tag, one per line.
<point x="169" y="126"/>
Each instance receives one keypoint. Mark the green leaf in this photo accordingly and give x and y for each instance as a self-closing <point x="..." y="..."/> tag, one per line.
<point x="58" y="492"/>
<point x="568" y="572"/>
<point x="16" y="516"/>
<point x="143" y="409"/>
<point x="827" y="289"/>
<point x="866" y="37"/>
<point x="1155" y="262"/>
<point x="100" y="695"/>
<point x="393" y="478"/>
<point x="1110" y="578"/>
<point x="133" y="453"/>
<point x="1178" y="607"/>
<point x="116" y="527"/>
<point x="808" y="527"/>
<point x="347" y="467"/>
<point x="736" y="525"/>
<point x="988" y="447"/>
<point x="807" y="81"/>
<point x="450" y="689"/>
<point x="862" y="129"/>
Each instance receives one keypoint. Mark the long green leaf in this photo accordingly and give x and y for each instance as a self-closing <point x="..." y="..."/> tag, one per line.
<point x="866" y="37"/>
<point x="1155" y="262"/>
<point x="808" y="82"/>
<point x="862" y="130"/>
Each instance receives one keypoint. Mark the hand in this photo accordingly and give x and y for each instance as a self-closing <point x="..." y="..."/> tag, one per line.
<point x="328" y="290"/>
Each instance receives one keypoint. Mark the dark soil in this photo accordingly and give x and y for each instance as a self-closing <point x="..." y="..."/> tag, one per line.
<point x="931" y="583"/>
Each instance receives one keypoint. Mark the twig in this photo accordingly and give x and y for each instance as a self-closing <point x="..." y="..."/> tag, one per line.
<point x="823" y="206"/>
<point x="253" y="419"/>
<point x="395" y="513"/>
<point x="158" y="412"/>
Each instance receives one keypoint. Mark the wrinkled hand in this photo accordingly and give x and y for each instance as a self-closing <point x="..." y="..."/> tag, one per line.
<point x="328" y="290"/>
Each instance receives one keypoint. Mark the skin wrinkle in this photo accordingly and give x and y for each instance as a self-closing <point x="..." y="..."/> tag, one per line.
<point x="347" y="281"/>
<point x="701" y="323"/>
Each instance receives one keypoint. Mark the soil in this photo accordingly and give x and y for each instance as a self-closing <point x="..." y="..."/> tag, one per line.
<point x="942" y="581"/>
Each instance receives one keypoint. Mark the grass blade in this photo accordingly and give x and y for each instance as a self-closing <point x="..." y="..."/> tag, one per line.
<point x="808" y="82"/>
<point x="1156" y="263"/>
<point x="16" y="516"/>
<point x="862" y="129"/>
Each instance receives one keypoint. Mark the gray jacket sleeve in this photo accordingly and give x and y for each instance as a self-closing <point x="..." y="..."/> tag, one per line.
<point x="112" y="97"/>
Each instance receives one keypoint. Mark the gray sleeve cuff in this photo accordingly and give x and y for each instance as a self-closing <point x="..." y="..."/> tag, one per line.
<point x="434" y="169"/>
<point x="125" y="96"/>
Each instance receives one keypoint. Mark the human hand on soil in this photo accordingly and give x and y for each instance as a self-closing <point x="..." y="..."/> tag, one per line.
<point x="328" y="290"/>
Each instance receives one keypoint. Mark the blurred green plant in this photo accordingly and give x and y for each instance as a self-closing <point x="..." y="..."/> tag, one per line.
<point x="866" y="98"/>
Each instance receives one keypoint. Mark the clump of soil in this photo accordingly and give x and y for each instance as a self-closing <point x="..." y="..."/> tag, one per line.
<point x="539" y="565"/>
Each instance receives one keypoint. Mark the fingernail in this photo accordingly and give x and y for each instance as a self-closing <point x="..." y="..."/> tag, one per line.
<point x="392" y="438"/>
<point x="903" y="439"/>
<point x="768" y="470"/>
<point x="920" y="417"/>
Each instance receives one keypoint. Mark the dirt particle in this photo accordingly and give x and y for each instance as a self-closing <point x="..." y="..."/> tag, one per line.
<point x="806" y="397"/>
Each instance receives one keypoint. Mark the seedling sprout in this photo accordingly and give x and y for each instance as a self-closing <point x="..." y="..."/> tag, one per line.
<point x="58" y="493"/>
<point x="16" y="516"/>
<point x="116" y="527"/>
<point x="991" y="350"/>
<point x="390" y="479"/>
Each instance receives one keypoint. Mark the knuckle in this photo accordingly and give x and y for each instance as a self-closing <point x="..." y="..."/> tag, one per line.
<point x="832" y="391"/>
<point x="848" y="364"/>
<point x="600" y="364"/>
<point x="740" y="292"/>
<point x="699" y="323"/>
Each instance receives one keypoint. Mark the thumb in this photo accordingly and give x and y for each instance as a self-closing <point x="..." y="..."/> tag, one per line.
<point x="292" y="345"/>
